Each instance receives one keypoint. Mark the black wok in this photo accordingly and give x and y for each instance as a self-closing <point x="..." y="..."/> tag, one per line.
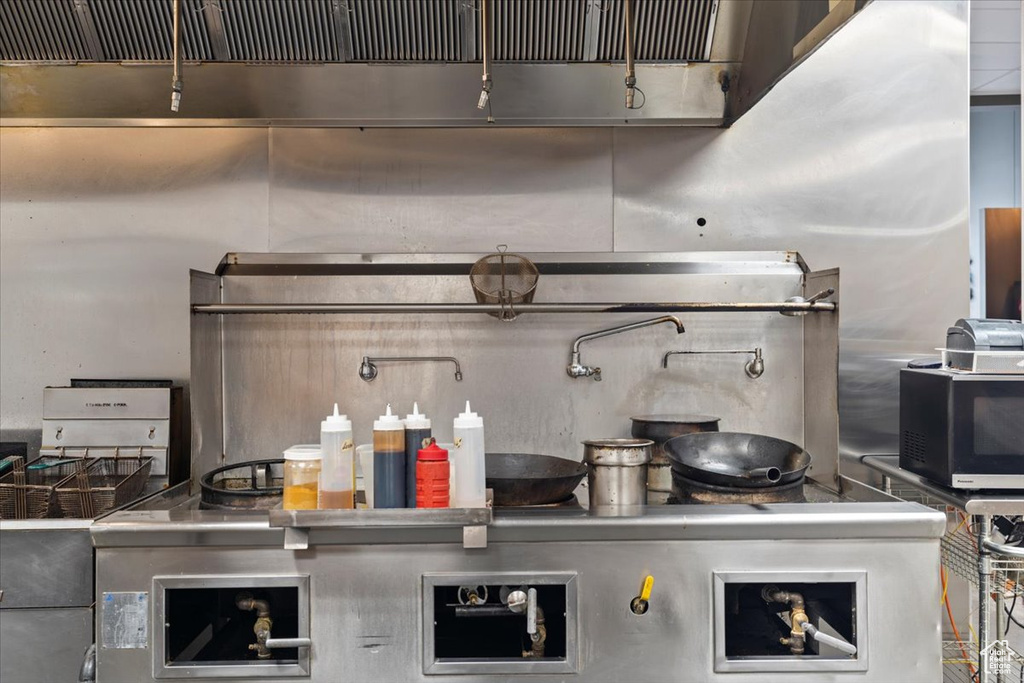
<point x="735" y="459"/>
<point x="528" y="479"/>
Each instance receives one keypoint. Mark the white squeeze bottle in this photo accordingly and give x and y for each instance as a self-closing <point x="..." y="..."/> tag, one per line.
<point x="338" y="471"/>
<point x="468" y="460"/>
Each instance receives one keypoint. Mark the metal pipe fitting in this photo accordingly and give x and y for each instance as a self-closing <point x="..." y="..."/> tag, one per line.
<point x="753" y="367"/>
<point x="247" y="603"/>
<point x="520" y="602"/>
<point x="810" y="302"/>
<point x="627" y="9"/>
<point x="577" y="369"/>
<point x="485" y="42"/>
<point x="797" y="616"/>
<point x="368" y="368"/>
<point x="176" y="83"/>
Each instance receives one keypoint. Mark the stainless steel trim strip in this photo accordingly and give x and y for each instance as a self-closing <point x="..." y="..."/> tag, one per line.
<point x="677" y="522"/>
<point x="682" y="307"/>
<point x="970" y="502"/>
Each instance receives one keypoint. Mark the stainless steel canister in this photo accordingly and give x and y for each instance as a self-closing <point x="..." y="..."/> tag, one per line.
<point x="617" y="471"/>
<point x="659" y="429"/>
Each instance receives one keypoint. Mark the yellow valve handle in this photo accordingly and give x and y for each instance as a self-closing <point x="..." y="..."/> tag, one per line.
<point x="645" y="592"/>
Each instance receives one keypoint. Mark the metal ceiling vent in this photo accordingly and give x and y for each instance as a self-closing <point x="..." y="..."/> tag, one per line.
<point x="367" y="31"/>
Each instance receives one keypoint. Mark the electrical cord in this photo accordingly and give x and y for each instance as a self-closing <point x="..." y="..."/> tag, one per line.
<point x="1010" y="617"/>
<point x="952" y="622"/>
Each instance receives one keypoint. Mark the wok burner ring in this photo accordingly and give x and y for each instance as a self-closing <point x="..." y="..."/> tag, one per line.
<point x="252" y="485"/>
<point x="689" y="492"/>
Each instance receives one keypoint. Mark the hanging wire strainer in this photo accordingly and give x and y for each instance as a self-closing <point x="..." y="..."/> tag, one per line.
<point x="504" y="279"/>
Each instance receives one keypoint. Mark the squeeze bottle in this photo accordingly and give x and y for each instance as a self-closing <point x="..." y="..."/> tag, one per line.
<point x="388" y="461"/>
<point x="337" y="473"/>
<point x="470" y="482"/>
<point x="417" y="436"/>
<point x="432" y="477"/>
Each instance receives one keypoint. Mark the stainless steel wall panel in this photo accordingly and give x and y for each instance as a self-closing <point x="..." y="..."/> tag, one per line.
<point x="440" y="191"/>
<point x="43" y="644"/>
<point x="206" y="391"/>
<point x="871" y="178"/>
<point x="98" y="229"/>
<point x="821" y="376"/>
<point x="514" y="374"/>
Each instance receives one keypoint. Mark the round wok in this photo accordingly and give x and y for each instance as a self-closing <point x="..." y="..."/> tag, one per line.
<point x="528" y="479"/>
<point x="735" y="459"/>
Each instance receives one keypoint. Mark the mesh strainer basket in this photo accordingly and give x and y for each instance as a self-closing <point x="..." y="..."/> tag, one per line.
<point x="504" y="279"/>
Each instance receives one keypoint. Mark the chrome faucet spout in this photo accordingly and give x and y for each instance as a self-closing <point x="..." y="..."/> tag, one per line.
<point x="577" y="369"/>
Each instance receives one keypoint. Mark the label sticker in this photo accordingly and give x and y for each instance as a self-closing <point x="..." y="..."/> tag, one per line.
<point x="125" y="621"/>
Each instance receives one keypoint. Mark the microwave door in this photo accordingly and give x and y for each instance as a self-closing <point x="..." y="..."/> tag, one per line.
<point x="988" y="435"/>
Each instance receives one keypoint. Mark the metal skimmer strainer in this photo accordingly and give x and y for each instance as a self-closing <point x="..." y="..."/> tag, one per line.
<point x="505" y="279"/>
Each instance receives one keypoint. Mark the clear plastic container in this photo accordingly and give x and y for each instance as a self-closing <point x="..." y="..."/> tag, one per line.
<point x="470" y="489"/>
<point x="364" y="456"/>
<point x="338" y="473"/>
<point x="301" y="478"/>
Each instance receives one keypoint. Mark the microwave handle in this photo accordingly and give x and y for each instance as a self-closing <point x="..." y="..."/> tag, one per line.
<point x="1000" y="549"/>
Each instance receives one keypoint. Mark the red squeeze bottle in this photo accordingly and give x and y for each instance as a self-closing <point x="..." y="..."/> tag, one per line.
<point x="432" y="471"/>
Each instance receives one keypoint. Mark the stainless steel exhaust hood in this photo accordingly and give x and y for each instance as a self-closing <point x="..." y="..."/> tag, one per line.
<point x="373" y="62"/>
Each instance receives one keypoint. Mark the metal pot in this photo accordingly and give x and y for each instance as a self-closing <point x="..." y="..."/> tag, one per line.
<point x="659" y="429"/>
<point x="617" y="471"/>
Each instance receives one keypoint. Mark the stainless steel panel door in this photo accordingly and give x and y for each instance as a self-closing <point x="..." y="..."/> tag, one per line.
<point x="45" y="567"/>
<point x="43" y="645"/>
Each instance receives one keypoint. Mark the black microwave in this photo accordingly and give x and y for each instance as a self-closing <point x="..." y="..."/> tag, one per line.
<point x="963" y="430"/>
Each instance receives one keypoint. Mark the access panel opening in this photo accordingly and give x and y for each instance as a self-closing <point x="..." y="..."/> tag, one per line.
<point x="500" y="624"/>
<point x="231" y="627"/>
<point x="493" y="630"/>
<point x="207" y="625"/>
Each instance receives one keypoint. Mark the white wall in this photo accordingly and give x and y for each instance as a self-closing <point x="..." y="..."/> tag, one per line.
<point x="995" y="180"/>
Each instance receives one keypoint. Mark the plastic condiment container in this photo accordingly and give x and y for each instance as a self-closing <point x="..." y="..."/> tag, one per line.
<point x="338" y="473"/>
<point x="388" y="461"/>
<point x="364" y="456"/>
<point x="417" y="436"/>
<point x="468" y="458"/>
<point x="432" y="470"/>
<point x="301" y="478"/>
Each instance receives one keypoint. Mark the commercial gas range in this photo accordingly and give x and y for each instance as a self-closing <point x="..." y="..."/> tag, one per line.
<point x="411" y="603"/>
<point x="554" y="594"/>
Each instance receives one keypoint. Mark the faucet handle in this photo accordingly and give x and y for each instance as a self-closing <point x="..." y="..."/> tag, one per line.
<point x="597" y="374"/>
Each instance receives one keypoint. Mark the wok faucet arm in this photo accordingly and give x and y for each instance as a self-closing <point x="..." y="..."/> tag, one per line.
<point x="368" y="368"/>
<point x="577" y="369"/>
<point x="753" y="367"/>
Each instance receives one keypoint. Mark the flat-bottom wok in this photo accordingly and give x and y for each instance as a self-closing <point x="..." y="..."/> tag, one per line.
<point x="527" y="479"/>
